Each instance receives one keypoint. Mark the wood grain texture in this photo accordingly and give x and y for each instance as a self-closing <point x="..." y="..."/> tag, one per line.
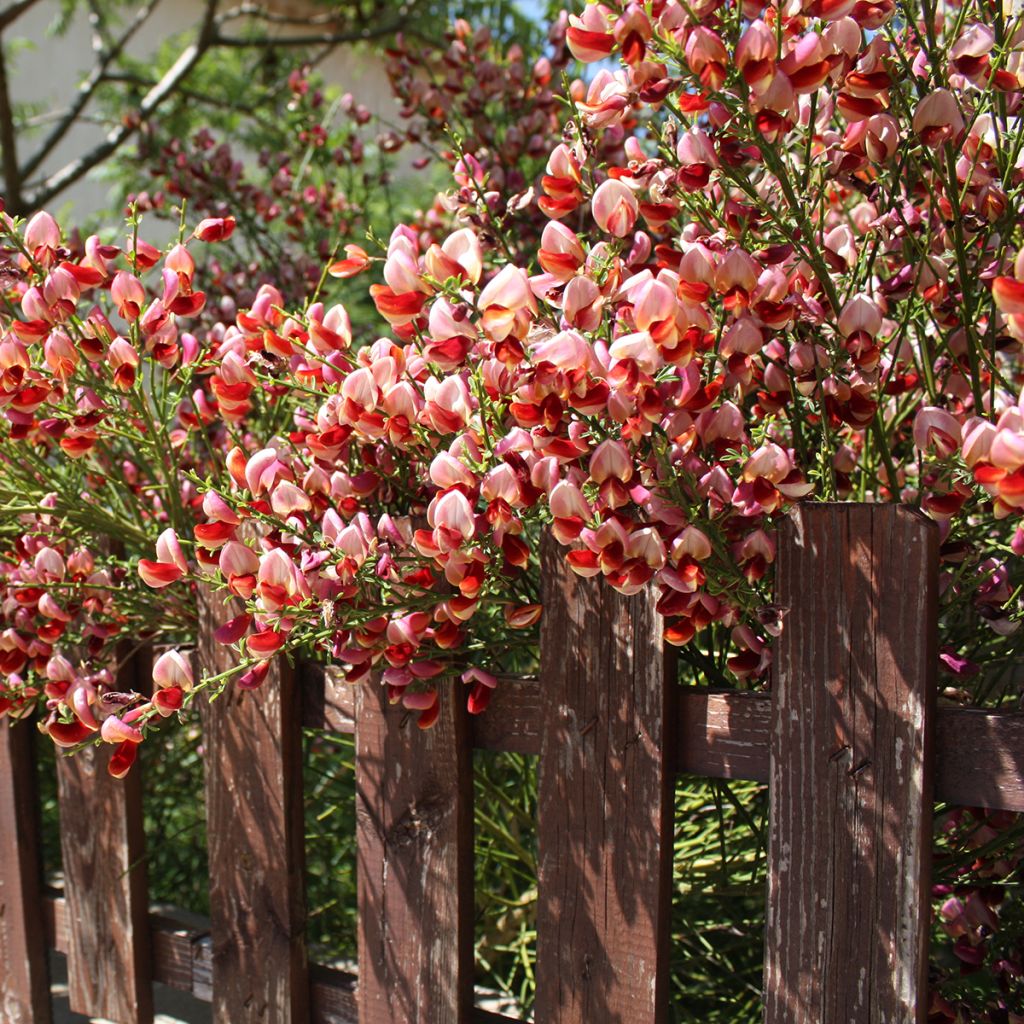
<point x="512" y="721"/>
<point x="979" y="758"/>
<point x="103" y="853"/>
<point x="725" y="735"/>
<point x="604" y="804"/>
<point x="332" y="992"/>
<point x="328" y="702"/>
<point x="851" y="756"/>
<point x="24" y="978"/>
<point x="414" y="826"/>
<point x="255" y="833"/>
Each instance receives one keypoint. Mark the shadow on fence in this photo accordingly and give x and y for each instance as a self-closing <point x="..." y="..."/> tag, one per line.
<point x="850" y="742"/>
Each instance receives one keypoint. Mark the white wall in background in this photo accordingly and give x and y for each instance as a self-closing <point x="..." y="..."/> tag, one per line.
<point x="50" y="71"/>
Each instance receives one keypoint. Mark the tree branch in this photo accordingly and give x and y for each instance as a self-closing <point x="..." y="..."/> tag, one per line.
<point x="200" y="99"/>
<point x="207" y="38"/>
<point x="252" y="10"/>
<point x="315" y="38"/>
<point x="86" y="90"/>
<point x="8" y="141"/>
<point x="15" y="11"/>
<point x="182" y="67"/>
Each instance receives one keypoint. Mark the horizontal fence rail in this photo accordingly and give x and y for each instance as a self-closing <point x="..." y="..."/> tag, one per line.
<point x="724" y="734"/>
<point x="851" y="734"/>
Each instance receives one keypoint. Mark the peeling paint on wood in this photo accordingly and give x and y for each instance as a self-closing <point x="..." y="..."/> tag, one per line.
<point x="851" y="768"/>
<point x="604" y="804"/>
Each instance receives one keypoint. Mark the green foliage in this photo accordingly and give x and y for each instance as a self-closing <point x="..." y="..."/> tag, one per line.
<point x="177" y="862"/>
<point x="718" y="909"/>
<point x="330" y="816"/>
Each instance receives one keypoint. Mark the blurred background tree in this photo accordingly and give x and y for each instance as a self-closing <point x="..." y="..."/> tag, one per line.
<point x="81" y="80"/>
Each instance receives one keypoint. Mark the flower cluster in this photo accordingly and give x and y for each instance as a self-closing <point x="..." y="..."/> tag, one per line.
<point x="772" y="256"/>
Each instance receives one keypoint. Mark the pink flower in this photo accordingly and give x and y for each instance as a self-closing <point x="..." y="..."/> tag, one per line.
<point x="615" y="208"/>
<point x="262" y="469"/>
<point x="172" y="669"/>
<point x="451" y="511"/>
<point x="936" y="429"/>
<point x="691" y="543"/>
<point x="169" y="550"/>
<point x="232" y="631"/>
<point x="446" y="471"/>
<point x="215" y="229"/>
<point x="560" y="253"/>
<point x="587" y="35"/>
<point x="279" y="581"/>
<point x="860" y="314"/>
<point x="118" y="730"/>
<point x="460" y="255"/>
<point x="1008" y="294"/>
<point x="217" y="509"/>
<point x="937" y="118"/>
<point x="41" y="232"/>
<point x="608" y="97"/>
<point x="129" y="295"/>
<point x="611" y="459"/>
<point x="237" y="560"/>
<point x="265" y="644"/>
<point x="159" y="574"/>
<point x="286" y="499"/>
<point x="769" y="462"/>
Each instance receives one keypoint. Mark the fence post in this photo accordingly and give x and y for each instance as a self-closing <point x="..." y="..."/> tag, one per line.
<point x="255" y="837"/>
<point x="103" y="853"/>
<point x="604" y="804"/>
<point x="24" y="978"/>
<point x="414" y="826"/>
<point x="851" y="767"/>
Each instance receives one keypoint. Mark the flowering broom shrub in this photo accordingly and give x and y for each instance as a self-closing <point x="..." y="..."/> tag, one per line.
<point x="769" y="254"/>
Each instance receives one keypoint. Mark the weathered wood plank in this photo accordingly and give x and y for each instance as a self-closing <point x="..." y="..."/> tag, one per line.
<point x="512" y="721"/>
<point x="334" y="994"/>
<point x="604" y="804"/>
<point x="979" y="758"/>
<point x="723" y="735"/>
<point x="103" y="853"/>
<point x="328" y="702"/>
<point x="414" y="824"/>
<point x="255" y="836"/>
<point x="851" y="760"/>
<point x="24" y="979"/>
<point x="175" y="937"/>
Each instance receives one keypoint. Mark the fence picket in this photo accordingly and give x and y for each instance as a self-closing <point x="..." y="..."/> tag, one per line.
<point x="604" y="805"/>
<point x="414" y="822"/>
<point x="255" y="836"/>
<point x="850" y="756"/>
<point x="103" y="852"/>
<point x="24" y="980"/>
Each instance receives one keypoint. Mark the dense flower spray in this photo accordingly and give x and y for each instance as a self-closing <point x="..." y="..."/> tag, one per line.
<point x="769" y="254"/>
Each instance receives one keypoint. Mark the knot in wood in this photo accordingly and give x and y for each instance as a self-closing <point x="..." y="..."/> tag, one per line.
<point x="419" y="824"/>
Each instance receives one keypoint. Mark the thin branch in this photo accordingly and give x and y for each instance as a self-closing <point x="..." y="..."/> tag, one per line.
<point x="249" y="10"/>
<point x="182" y="67"/>
<point x="85" y="91"/>
<point x="15" y="11"/>
<point x="201" y="99"/>
<point x="315" y="39"/>
<point x="8" y="141"/>
<point x="100" y="38"/>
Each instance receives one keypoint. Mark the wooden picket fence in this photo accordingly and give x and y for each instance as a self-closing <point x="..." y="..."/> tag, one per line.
<point x="851" y="742"/>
